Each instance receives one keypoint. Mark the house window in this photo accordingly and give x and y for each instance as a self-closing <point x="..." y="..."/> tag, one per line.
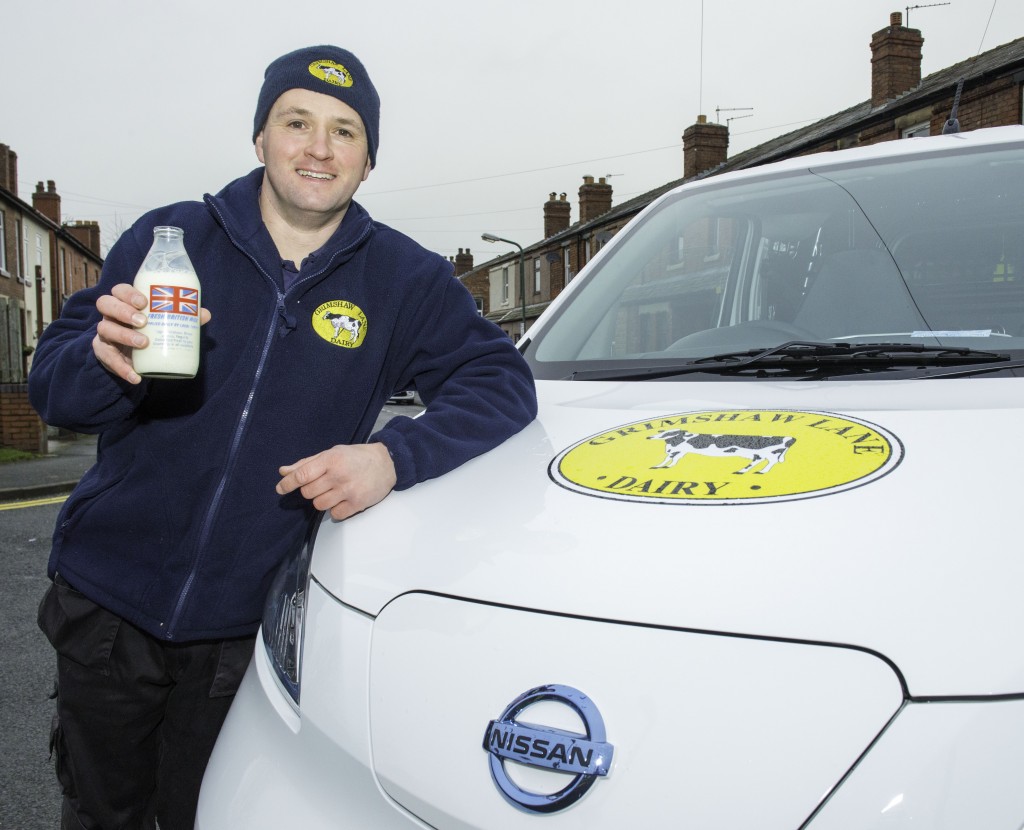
<point x="536" y="276"/>
<point x="565" y="264"/>
<point x="586" y="252"/>
<point x="3" y="244"/>
<point x="19" y="260"/>
<point x="504" y="285"/>
<point x="713" y="250"/>
<point x="919" y="129"/>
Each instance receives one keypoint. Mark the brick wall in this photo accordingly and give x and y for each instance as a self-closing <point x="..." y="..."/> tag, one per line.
<point x="705" y="146"/>
<point x="20" y="426"/>
<point x="895" y="60"/>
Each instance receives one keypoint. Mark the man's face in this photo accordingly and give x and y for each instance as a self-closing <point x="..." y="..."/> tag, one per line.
<point x="315" y="152"/>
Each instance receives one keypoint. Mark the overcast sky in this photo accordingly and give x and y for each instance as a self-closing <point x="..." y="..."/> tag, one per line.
<point x="487" y="105"/>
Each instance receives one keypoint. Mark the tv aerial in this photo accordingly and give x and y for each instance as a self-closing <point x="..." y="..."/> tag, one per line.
<point x="923" y="6"/>
<point x="719" y="110"/>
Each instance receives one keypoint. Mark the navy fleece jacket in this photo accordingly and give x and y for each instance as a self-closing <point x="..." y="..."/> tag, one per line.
<point x="177" y="527"/>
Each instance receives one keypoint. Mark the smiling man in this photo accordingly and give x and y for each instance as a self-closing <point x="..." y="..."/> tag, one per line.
<point x="314" y="315"/>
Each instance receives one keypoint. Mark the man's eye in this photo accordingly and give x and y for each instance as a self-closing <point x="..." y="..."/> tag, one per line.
<point x="296" y="125"/>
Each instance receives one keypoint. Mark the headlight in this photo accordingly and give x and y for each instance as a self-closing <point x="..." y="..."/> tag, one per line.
<point x="285" y="611"/>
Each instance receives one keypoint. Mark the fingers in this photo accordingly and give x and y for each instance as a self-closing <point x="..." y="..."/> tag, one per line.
<point x="344" y="480"/>
<point x="294" y="476"/>
<point x="117" y="333"/>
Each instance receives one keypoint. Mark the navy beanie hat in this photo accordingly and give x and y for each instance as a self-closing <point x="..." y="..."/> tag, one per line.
<point x="329" y="70"/>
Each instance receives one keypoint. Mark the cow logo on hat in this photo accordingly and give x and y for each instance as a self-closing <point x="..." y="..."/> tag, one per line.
<point x="332" y="72"/>
<point x="745" y="456"/>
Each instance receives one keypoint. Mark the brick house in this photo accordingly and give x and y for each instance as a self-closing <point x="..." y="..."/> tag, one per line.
<point x="42" y="262"/>
<point x="901" y="105"/>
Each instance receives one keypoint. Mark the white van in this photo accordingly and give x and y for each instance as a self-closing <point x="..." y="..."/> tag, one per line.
<point x="755" y="565"/>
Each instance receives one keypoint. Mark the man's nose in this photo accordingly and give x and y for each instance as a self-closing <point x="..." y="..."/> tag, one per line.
<point x="319" y="146"/>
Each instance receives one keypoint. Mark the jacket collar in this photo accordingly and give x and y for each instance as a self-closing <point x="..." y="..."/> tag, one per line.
<point x="237" y="209"/>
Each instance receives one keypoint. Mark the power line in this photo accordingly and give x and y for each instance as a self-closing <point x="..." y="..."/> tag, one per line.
<point x="519" y="172"/>
<point x="987" y="24"/>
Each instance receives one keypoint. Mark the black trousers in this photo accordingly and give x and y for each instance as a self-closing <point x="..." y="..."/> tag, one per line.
<point x="136" y="717"/>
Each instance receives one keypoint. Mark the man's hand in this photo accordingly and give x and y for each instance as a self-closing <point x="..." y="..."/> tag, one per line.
<point x="345" y="480"/>
<point x="117" y="335"/>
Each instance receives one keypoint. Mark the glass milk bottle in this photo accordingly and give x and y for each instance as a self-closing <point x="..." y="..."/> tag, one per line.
<point x="171" y="286"/>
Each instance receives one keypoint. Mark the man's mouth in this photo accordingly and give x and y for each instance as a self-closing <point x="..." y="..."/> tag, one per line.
<point x="311" y="174"/>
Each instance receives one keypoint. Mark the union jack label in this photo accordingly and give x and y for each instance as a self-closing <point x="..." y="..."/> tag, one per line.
<point x="173" y="299"/>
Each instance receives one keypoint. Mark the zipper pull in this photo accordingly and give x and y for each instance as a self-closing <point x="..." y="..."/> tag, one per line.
<point x="288" y="322"/>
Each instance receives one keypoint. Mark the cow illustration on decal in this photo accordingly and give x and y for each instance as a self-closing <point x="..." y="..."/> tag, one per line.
<point x="754" y="448"/>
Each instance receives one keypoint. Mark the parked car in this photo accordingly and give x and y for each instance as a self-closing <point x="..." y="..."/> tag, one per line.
<point x="756" y="564"/>
<point x="406" y="396"/>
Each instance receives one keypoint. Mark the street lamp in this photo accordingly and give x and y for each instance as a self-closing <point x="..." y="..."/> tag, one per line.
<point x="490" y="237"/>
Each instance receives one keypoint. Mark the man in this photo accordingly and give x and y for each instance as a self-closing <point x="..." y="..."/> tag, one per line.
<point x="164" y="552"/>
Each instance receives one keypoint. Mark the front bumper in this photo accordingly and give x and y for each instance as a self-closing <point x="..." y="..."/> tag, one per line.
<point x="399" y="704"/>
<point x="272" y="768"/>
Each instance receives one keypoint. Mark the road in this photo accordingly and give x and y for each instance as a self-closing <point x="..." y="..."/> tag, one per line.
<point x="29" y="796"/>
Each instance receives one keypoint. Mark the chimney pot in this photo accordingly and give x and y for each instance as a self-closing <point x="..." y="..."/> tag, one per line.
<point x="895" y="61"/>
<point x="595" y="199"/>
<point x="556" y="215"/>
<point x="705" y="146"/>
<point x="463" y="262"/>
<point x="47" y="202"/>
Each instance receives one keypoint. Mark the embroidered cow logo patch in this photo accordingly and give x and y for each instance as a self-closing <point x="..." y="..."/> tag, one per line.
<point x="333" y="73"/>
<point x="341" y="323"/>
<point x="729" y="457"/>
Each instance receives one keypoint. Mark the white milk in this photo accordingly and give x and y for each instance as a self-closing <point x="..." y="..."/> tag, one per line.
<point x="171" y="286"/>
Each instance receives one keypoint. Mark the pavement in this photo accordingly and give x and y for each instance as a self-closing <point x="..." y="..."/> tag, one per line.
<point x="52" y="474"/>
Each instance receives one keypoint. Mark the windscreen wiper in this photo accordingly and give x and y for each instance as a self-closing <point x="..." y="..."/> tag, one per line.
<point x="804" y="354"/>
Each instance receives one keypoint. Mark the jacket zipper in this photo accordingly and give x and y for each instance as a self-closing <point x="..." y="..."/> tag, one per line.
<point x="214" y="507"/>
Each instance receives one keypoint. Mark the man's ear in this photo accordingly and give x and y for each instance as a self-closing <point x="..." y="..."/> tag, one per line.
<point x="259" y="148"/>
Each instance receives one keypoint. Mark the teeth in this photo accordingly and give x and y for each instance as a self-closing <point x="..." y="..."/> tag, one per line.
<point x="311" y="175"/>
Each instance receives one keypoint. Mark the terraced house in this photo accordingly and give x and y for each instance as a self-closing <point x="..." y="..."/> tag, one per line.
<point x="986" y="91"/>
<point x="42" y="262"/>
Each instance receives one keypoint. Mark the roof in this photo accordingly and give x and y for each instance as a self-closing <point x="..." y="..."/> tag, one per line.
<point x="23" y="206"/>
<point x="935" y="87"/>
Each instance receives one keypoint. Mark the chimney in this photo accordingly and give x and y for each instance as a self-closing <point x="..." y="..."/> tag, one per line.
<point x="895" y="60"/>
<point x="47" y="202"/>
<point x="595" y="199"/>
<point x="463" y="262"/>
<point x="556" y="215"/>
<point x="705" y="146"/>
<point x="8" y="169"/>
<point x="86" y="232"/>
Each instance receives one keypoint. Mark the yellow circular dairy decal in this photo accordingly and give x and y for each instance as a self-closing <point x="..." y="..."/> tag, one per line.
<point x="729" y="457"/>
<point x="341" y="323"/>
<point x="333" y="73"/>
